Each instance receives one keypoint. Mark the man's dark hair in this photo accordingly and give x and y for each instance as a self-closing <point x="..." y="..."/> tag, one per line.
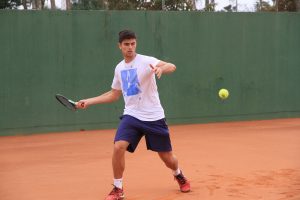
<point x="126" y="34"/>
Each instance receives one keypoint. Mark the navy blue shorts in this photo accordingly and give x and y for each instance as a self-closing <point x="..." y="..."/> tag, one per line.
<point x="156" y="133"/>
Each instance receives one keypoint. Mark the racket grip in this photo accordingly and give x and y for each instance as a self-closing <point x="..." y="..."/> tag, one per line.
<point x="82" y="105"/>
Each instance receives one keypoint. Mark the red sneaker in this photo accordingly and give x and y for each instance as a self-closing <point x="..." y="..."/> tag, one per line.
<point x="184" y="184"/>
<point x="116" y="194"/>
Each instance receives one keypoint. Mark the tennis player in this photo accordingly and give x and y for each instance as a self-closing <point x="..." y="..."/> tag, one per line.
<point x="143" y="115"/>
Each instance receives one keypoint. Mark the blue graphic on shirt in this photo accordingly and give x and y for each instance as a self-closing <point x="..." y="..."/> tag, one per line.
<point x="130" y="82"/>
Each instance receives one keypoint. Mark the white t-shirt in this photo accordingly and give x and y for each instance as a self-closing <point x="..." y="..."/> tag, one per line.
<point x="138" y="85"/>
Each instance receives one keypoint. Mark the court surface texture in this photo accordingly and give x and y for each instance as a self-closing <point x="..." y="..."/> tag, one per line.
<point x="249" y="160"/>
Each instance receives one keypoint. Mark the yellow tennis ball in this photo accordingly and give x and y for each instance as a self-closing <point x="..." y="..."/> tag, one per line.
<point x="223" y="93"/>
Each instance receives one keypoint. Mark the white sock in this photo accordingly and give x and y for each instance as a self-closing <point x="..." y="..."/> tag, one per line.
<point x="176" y="172"/>
<point x="118" y="183"/>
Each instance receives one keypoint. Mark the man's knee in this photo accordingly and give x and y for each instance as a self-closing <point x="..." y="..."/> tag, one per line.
<point x="167" y="157"/>
<point x="120" y="146"/>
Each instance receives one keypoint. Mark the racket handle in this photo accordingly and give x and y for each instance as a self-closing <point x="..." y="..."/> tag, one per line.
<point x="82" y="105"/>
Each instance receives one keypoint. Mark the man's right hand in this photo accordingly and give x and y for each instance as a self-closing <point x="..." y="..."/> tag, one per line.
<point x="82" y="104"/>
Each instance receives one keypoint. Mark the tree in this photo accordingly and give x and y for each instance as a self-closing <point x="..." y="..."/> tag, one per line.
<point x="278" y="5"/>
<point x="10" y="4"/>
<point x="209" y="6"/>
<point x="287" y="5"/>
<point x="193" y="4"/>
<point x="87" y="5"/>
<point x="123" y="4"/>
<point x="24" y="3"/>
<point x="264" y="6"/>
<point x="135" y="4"/>
<point x="178" y="5"/>
<point x="53" y="6"/>
<point x="68" y="5"/>
<point x="228" y="8"/>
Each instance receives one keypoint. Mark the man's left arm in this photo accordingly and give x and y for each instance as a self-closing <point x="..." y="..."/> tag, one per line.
<point x="163" y="68"/>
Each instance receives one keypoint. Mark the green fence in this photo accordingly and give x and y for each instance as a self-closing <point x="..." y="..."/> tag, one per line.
<point x="254" y="55"/>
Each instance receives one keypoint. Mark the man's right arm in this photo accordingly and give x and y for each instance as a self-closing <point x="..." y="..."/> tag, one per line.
<point x="108" y="97"/>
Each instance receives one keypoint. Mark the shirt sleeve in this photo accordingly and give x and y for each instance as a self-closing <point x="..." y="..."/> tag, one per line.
<point x="116" y="82"/>
<point x="153" y="61"/>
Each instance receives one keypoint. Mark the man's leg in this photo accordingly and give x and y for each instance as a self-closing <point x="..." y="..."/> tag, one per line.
<point x="171" y="162"/>
<point x="118" y="158"/>
<point x="169" y="159"/>
<point x="118" y="165"/>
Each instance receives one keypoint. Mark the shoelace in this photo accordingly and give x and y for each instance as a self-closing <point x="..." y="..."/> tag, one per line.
<point x="181" y="179"/>
<point x="115" y="190"/>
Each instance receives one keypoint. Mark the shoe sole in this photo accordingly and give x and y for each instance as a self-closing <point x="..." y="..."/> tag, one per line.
<point x="121" y="197"/>
<point x="186" y="191"/>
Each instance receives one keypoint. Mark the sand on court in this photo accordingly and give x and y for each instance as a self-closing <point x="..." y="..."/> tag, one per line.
<point x="249" y="160"/>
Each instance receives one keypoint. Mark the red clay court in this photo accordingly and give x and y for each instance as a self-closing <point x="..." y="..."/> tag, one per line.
<point x="254" y="160"/>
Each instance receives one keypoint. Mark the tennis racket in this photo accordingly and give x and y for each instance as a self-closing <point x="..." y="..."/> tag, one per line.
<point x="66" y="102"/>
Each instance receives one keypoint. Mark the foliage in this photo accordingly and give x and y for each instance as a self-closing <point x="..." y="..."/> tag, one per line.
<point x="88" y="5"/>
<point x="171" y="5"/>
<point x="133" y="4"/>
<point x="287" y="5"/>
<point x="10" y="4"/>
<point x="179" y="5"/>
<point x="264" y="6"/>
<point x="210" y="7"/>
<point x="279" y="5"/>
<point x="122" y="4"/>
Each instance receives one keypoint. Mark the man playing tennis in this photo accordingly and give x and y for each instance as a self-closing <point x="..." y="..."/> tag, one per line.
<point x="143" y="115"/>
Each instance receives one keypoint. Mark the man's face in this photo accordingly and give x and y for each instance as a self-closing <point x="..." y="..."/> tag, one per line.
<point x="128" y="47"/>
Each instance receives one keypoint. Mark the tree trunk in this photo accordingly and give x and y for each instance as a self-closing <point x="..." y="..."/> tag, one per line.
<point x="277" y="5"/>
<point x="68" y="5"/>
<point x="260" y="5"/>
<point x="38" y="4"/>
<point x="33" y="5"/>
<point x="105" y="3"/>
<point x="24" y="2"/>
<point x="193" y="3"/>
<point x="42" y="4"/>
<point x="206" y="3"/>
<point x="53" y="6"/>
